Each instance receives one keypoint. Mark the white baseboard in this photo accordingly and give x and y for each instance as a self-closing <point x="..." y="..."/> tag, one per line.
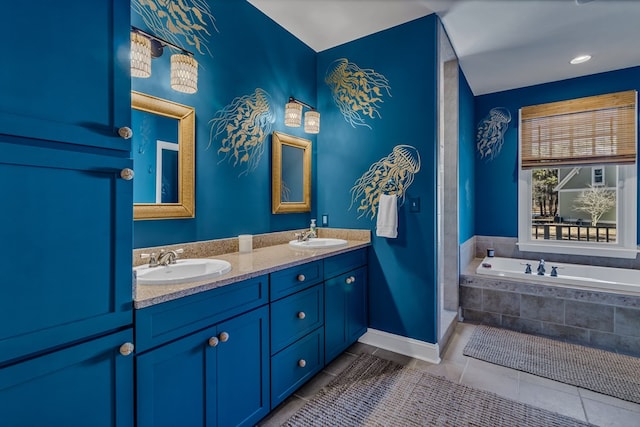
<point x="398" y="344"/>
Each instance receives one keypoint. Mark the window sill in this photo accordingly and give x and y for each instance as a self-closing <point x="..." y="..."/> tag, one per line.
<point x="597" y="251"/>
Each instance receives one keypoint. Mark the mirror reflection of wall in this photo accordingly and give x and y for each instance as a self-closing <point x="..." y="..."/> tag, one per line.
<point x="163" y="147"/>
<point x="292" y="173"/>
<point x="155" y="140"/>
<point x="167" y="172"/>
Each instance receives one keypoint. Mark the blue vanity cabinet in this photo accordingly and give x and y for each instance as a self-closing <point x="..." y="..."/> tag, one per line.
<point x="295" y="316"/>
<point x="65" y="295"/>
<point x="293" y="279"/>
<point x="66" y="78"/>
<point x="87" y="384"/>
<point x="297" y="328"/>
<point x="345" y="301"/>
<point x="215" y="377"/>
<point x="242" y="369"/>
<point x="67" y="232"/>
<point x="65" y="298"/>
<point x="204" y="359"/>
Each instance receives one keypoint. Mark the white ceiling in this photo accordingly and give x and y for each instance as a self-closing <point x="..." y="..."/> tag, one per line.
<point x="501" y="44"/>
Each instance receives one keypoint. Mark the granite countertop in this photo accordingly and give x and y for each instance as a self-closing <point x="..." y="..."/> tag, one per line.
<point x="244" y="266"/>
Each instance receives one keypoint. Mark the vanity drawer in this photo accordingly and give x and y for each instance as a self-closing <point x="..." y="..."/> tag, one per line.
<point x="294" y="279"/>
<point x="295" y="365"/>
<point x="342" y="263"/>
<point x="295" y="316"/>
<point x="170" y="320"/>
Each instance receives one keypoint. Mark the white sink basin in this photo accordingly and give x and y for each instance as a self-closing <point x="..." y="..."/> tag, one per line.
<point x="183" y="271"/>
<point x="318" y="243"/>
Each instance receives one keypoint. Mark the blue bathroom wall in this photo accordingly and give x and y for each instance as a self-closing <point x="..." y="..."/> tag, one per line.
<point x="153" y="128"/>
<point x="402" y="271"/>
<point x="466" y="159"/>
<point x="247" y="54"/>
<point x="496" y="204"/>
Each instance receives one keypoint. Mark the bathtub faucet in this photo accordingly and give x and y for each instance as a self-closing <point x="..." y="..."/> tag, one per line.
<point x="541" y="268"/>
<point x="527" y="270"/>
<point x="554" y="271"/>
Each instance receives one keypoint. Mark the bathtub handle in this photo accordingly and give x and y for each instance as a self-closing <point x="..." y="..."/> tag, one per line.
<point x="528" y="269"/>
<point x="554" y="271"/>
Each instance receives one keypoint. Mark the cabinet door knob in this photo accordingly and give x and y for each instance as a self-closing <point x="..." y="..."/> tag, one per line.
<point x="350" y="280"/>
<point x="126" y="174"/>
<point x="301" y="278"/>
<point x="125" y="132"/>
<point x="126" y="349"/>
<point x="302" y="363"/>
<point x="301" y="315"/>
<point x="213" y="341"/>
<point x="223" y="336"/>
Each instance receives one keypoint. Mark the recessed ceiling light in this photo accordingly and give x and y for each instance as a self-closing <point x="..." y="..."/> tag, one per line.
<point x="580" y="59"/>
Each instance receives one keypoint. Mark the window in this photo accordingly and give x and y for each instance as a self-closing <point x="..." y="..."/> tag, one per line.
<point x="577" y="177"/>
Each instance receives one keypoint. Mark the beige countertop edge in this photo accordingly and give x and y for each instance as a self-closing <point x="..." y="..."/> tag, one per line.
<point x="243" y="266"/>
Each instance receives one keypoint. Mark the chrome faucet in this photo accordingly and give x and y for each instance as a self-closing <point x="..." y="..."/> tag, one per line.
<point x="541" y="269"/>
<point x="304" y="236"/>
<point x="163" y="258"/>
<point x="168" y="257"/>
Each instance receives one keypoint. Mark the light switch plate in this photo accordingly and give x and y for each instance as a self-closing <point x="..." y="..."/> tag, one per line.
<point x="414" y="204"/>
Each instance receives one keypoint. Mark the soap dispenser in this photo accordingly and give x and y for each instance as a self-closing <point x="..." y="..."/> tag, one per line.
<point x="312" y="228"/>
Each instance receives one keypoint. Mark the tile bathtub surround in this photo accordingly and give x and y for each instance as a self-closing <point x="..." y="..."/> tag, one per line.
<point x="468" y="251"/>
<point x="599" y="319"/>
<point x="262" y="260"/>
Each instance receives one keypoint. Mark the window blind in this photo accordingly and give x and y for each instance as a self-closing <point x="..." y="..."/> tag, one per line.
<point x="585" y="131"/>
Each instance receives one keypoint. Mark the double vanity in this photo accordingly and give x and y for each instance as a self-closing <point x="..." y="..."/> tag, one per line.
<point x="227" y="349"/>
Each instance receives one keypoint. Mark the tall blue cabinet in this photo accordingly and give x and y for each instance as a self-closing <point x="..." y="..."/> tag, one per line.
<point x="66" y="352"/>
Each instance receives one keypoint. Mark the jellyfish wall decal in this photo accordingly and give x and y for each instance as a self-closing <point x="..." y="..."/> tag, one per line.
<point x="392" y="174"/>
<point x="190" y="20"/>
<point x="357" y="92"/>
<point x="241" y="127"/>
<point x="490" y="134"/>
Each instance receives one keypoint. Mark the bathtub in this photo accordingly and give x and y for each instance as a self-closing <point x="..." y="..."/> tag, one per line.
<point x="608" y="279"/>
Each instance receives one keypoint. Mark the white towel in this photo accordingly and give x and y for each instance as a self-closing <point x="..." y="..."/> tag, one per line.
<point x="387" y="222"/>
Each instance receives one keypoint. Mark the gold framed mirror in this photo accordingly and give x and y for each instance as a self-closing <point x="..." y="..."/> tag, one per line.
<point x="163" y="146"/>
<point x="290" y="174"/>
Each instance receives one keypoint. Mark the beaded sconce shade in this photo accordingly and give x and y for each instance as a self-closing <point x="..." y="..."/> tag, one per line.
<point x="292" y="114"/>
<point x="312" y="122"/>
<point x="140" y="56"/>
<point x="184" y="73"/>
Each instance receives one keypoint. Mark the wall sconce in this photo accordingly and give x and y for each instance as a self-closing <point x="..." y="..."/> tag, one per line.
<point x="184" y="67"/>
<point x="293" y="116"/>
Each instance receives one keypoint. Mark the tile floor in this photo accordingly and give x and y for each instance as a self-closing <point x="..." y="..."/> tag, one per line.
<point x="551" y="395"/>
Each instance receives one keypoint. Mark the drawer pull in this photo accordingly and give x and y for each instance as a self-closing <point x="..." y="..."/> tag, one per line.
<point x="301" y="315"/>
<point x="213" y="341"/>
<point x="301" y="278"/>
<point x="125" y="132"/>
<point x="350" y="280"/>
<point x="126" y="349"/>
<point x="224" y="336"/>
<point x="126" y="174"/>
<point x="302" y="363"/>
